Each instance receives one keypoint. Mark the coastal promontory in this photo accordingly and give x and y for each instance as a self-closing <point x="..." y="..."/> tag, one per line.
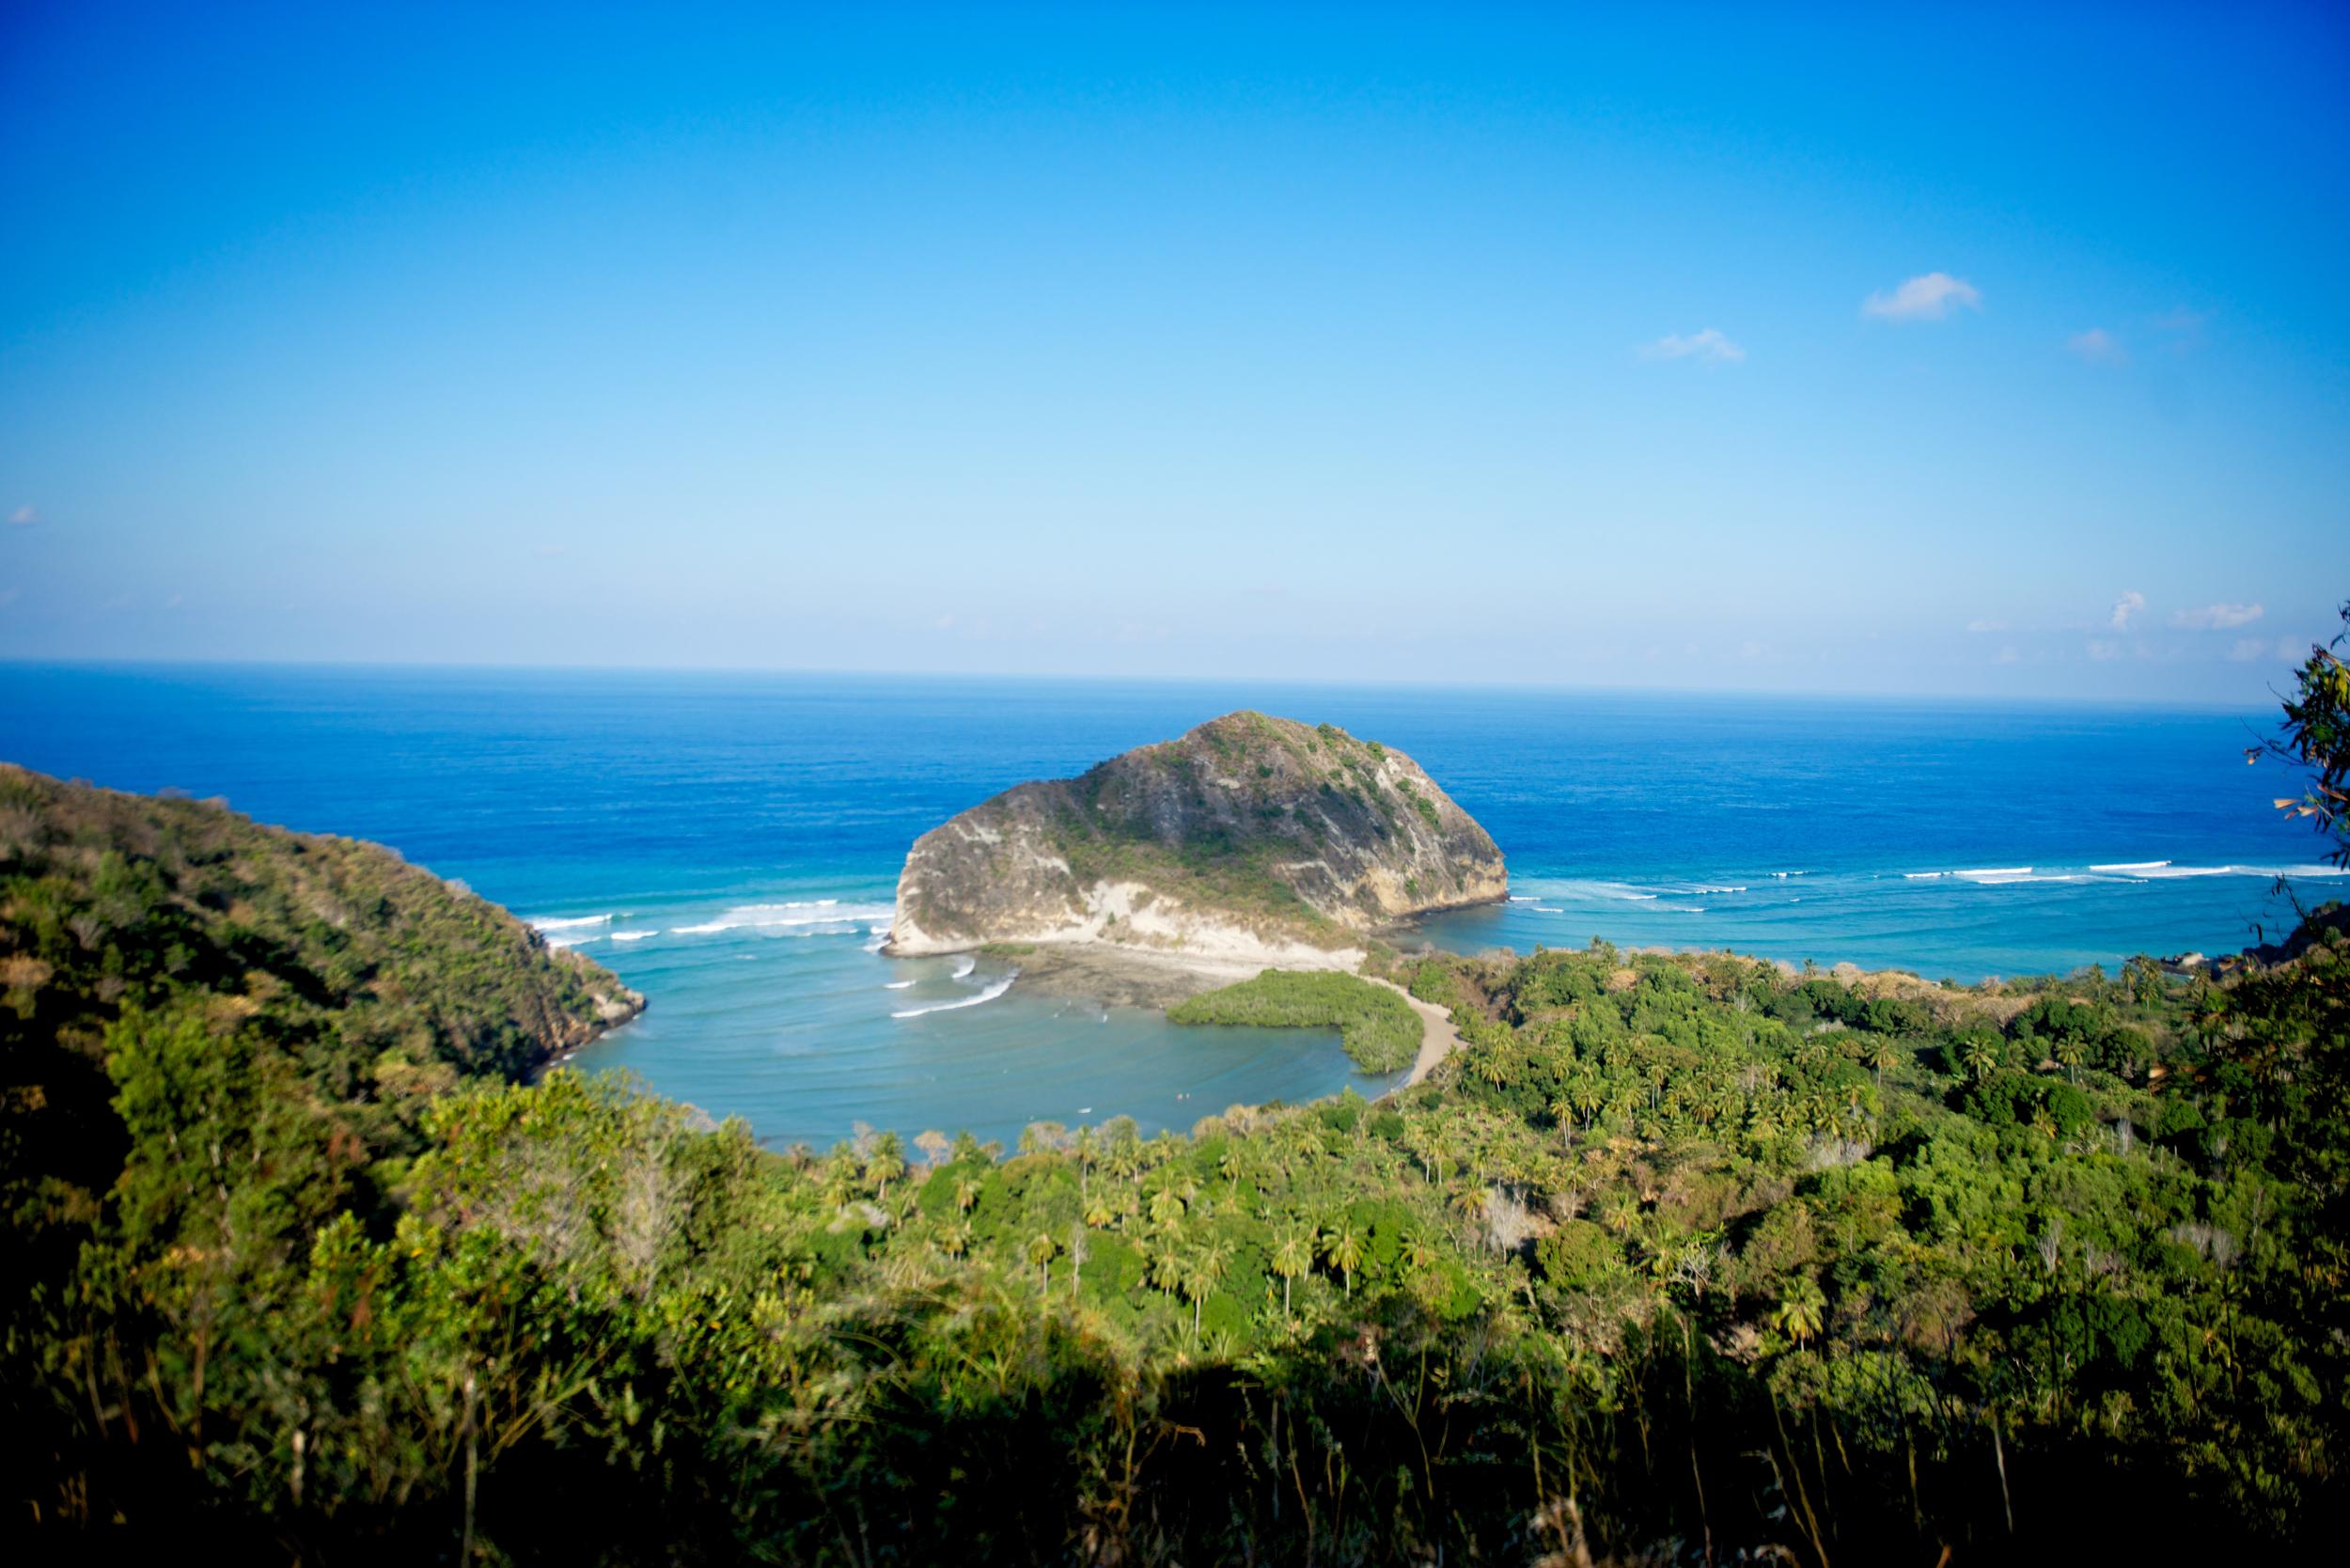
<point x="1249" y="842"/>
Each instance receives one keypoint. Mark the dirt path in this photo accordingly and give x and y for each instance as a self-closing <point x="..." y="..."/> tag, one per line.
<point x="1437" y="1037"/>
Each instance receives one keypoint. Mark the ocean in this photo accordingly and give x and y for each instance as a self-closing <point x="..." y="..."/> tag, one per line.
<point x="728" y="843"/>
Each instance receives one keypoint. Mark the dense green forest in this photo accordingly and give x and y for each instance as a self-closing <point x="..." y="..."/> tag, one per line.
<point x="1680" y="1259"/>
<point x="1377" y="1027"/>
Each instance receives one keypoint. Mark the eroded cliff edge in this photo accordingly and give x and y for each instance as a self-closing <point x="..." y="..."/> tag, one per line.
<point x="1248" y="842"/>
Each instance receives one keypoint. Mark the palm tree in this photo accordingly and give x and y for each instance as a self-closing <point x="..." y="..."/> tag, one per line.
<point x="1233" y="1162"/>
<point x="956" y="1240"/>
<point x="1342" y="1249"/>
<point x="966" y="1194"/>
<point x="1201" y="1273"/>
<point x="1471" y="1202"/>
<point x="1883" y="1054"/>
<point x="1087" y="1147"/>
<point x="2071" y="1051"/>
<point x="1164" y="1263"/>
<point x="1799" y="1308"/>
<point x="1038" y="1137"/>
<point x="1040" y="1250"/>
<point x="1562" y="1112"/>
<point x="1979" y="1057"/>
<point x="1099" y="1213"/>
<point x="885" y="1164"/>
<point x="1293" y="1255"/>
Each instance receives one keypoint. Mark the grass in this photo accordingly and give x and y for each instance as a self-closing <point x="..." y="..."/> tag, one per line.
<point x="1378" y="1027"/>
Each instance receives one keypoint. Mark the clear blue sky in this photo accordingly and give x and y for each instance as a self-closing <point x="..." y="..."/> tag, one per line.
<point x="1890" y="349"/>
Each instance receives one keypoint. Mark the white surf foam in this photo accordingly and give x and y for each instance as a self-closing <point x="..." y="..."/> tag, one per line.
<point x="633" y="935"/>
<point x="988" y="995"/>
<point x="963" y="967"/>
<point x="897" y="985"/>
<point x="568" y="922"/>
<point x="1923" y="876"/>
<point x="799" y="914"/>
<point x="573" y="939"/>
<point x="2132" y="866"/>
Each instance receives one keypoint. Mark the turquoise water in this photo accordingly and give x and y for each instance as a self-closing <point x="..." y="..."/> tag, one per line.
<point x="691" y="828"/>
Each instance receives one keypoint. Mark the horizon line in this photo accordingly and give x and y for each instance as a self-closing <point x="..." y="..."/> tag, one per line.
<point x="1561" y="688"/>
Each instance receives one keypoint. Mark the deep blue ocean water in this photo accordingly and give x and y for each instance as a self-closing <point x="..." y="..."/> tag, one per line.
<point x="688" y="830"/>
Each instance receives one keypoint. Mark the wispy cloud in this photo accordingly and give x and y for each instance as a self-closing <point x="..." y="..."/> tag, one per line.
<point x="1986" y="625"/>
<point x="1928" y="297"/>
<point x="2217" y="618"/>
<point x="2105" y="653"/>
<point x="1708" y="347"/>
<point x="2099" y="347"/>
<point x="2125" y="607"/>
<point x="24" y="517"/>
<point x="2247" y="649"/>
<point x="2182" y="328"/>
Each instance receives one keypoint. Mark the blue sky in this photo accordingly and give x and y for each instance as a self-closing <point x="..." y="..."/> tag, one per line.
<point x="1910" y="350"/>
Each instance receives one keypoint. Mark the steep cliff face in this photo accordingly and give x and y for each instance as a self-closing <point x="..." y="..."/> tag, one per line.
<point x="1251" y="837"/>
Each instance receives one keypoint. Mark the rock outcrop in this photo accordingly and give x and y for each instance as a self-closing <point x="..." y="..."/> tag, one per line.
<point x="1251" y="840"/>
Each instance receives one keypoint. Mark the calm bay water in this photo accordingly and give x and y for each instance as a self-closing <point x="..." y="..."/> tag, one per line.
<point x="728" y="843"/>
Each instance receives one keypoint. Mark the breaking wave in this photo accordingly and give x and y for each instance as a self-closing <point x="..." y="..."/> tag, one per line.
<point x="988" y="995"/>
<point x="800" y="913"/>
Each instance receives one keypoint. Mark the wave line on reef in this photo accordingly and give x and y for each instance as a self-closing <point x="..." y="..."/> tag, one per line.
<point x="987" y="995"/>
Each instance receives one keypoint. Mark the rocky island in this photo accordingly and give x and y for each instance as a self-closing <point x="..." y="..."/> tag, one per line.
<point x="1250" y="842"/>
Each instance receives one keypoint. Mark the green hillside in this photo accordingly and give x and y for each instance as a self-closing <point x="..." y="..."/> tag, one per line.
<point x="1680" y="1259"/>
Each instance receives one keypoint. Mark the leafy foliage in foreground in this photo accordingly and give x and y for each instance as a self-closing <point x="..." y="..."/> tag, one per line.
<point x="1378" y="1027"/>
<point x="1683" y="1257"/>
<point x="215" y="1038"/>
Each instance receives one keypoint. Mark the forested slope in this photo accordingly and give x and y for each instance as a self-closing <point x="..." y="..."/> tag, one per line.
<point x="214" y="1035"/>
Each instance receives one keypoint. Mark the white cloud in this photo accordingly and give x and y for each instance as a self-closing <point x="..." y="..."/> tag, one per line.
<point x="2127" y="605"/>
<point x="2248" y="648"/>
<point x="2217" y="618"/>
<point x="2105" y="653"/>
<point x="1927" y="297"/>
<point x="2099" y="347"/>
<point x="24" y="517"/>
<point x="1709" y="347"/>
<point x="1986" y="625"/>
